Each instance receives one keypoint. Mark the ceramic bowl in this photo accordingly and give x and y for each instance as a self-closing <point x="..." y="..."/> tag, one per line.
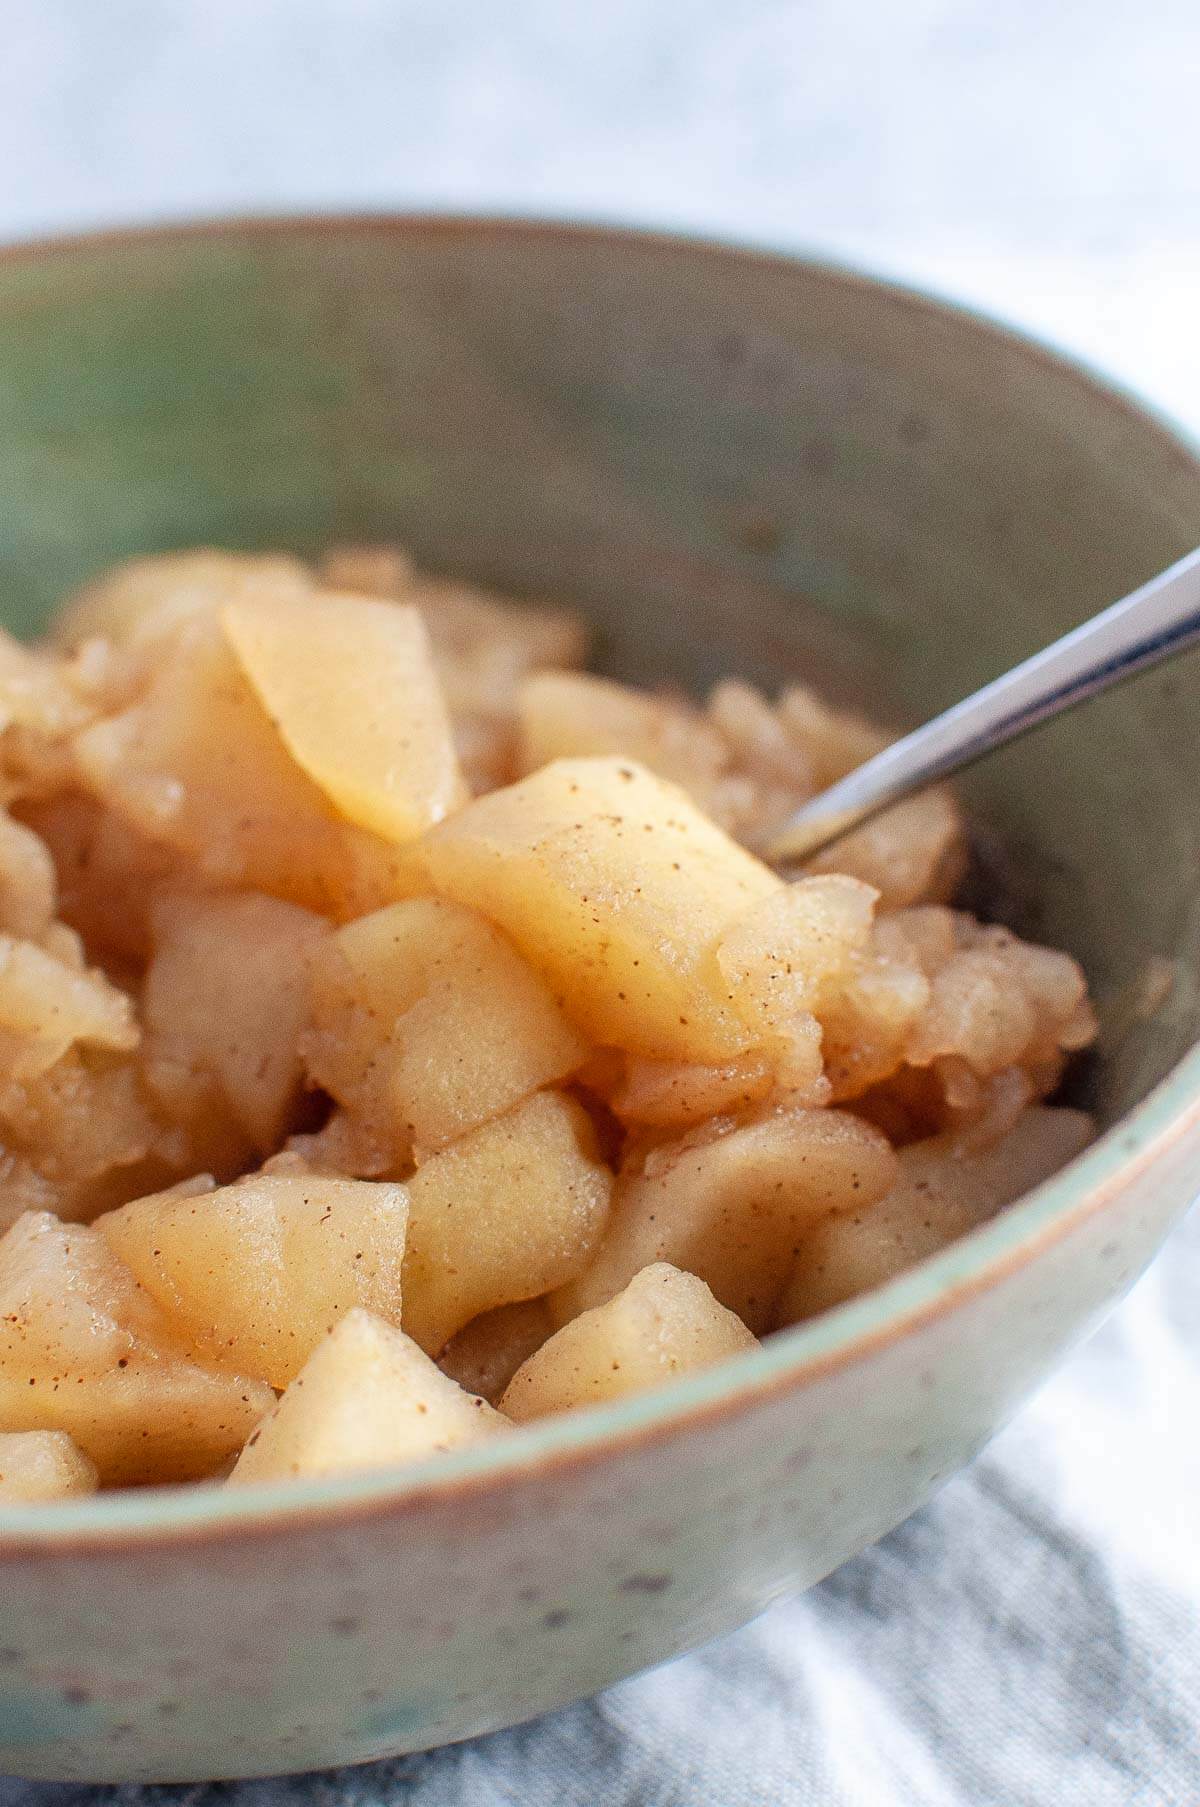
<point x="733" y="462"/>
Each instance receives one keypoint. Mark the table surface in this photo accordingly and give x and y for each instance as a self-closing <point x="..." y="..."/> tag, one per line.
<point x="1034" y="1635"/>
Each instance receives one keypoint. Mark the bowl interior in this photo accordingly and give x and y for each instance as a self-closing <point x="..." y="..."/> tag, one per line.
<point x="733" y="463"/>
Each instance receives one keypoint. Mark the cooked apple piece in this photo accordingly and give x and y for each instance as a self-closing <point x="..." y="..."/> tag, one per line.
<point x="732" y="1208"/>
<point x="480" y="639"/>
<point x="945" y="1188"/>
<point x="784" y="961"/>
<point x="483" y="646"/>
<point x="251" y="1276"/>
<point x="491" y="641"/>
<point x="141" y="603"/>
<point x="342" y="1146"/>
<point x="65" y="945"/>
<point x="997" y="1001"/>
<point x="612" y="884"/>
<point x="427" y="1023"/>
<point x="372" y="568"/>
<point x="349" y="682"/>
<point x="196" y="762"/>
<point x="225" y="999"/>
<point x="84" y="1349"/>
<point x="485" y="1354"/>
<point x="108" y="874"/>
<point x="782" y="957"/>
<point x="87" y="1127"/>
<point x="47" y="1005"/>
<point x="913" y="853"/>
<point x="937" y="990"/>
<point x="504" y="1214"/>
<point x="38" y="1466"/>
<point x="663" y="1324"/>
<point x="28" y="884"/>
<point x="566" y="714"/>
<point x="366" y="1398"/>
<point x="830" y="741"/>
<point x="23" y="1188"/>
<point x="677" y="1095"/>
<point x="34" y="692"/>
<point x="866" y="1020"/>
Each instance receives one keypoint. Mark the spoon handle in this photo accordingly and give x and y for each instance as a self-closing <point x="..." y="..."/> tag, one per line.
<point x="1152" y="623"/>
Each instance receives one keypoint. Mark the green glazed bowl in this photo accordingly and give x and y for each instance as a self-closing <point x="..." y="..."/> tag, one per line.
<point x="733" y="462"/>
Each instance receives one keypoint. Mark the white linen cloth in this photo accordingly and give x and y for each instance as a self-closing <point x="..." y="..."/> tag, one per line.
<point x="1032" y="1638"/>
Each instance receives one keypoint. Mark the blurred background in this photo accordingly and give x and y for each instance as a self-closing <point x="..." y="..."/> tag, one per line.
<point x="1037" y="157"/>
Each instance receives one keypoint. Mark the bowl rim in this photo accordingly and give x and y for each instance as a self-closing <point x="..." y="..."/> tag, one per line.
<point x="792" y="1359"/>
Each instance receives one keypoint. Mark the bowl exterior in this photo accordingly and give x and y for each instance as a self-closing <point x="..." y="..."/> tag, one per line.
<point x="736" y="463"/>
<point x="334" y="1640"/>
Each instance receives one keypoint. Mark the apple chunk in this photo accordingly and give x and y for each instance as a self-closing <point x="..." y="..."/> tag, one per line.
<point x="732" y="1208"/>
<point x="663" y="1324"/>
<point x="366" y="1398"/>
<point x="612" y="883"/>
<point x="350" y="684"/>
<point x="194" y="761"/>
<point x="504" y="1214"/>
<point x="36" y="1466"/>
<point x="251" y="1276"/>
<point x="225" y="1000"/>
<point x="428" y="1023"/>
<point x="84" y="1349"/>
<point x="945" y="1188"/>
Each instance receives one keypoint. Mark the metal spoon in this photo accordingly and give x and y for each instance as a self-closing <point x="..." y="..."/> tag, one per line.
<point x="1155" y="622"/>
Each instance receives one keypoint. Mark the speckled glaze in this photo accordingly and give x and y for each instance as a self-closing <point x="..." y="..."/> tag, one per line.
<point x="733" y="462"/>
